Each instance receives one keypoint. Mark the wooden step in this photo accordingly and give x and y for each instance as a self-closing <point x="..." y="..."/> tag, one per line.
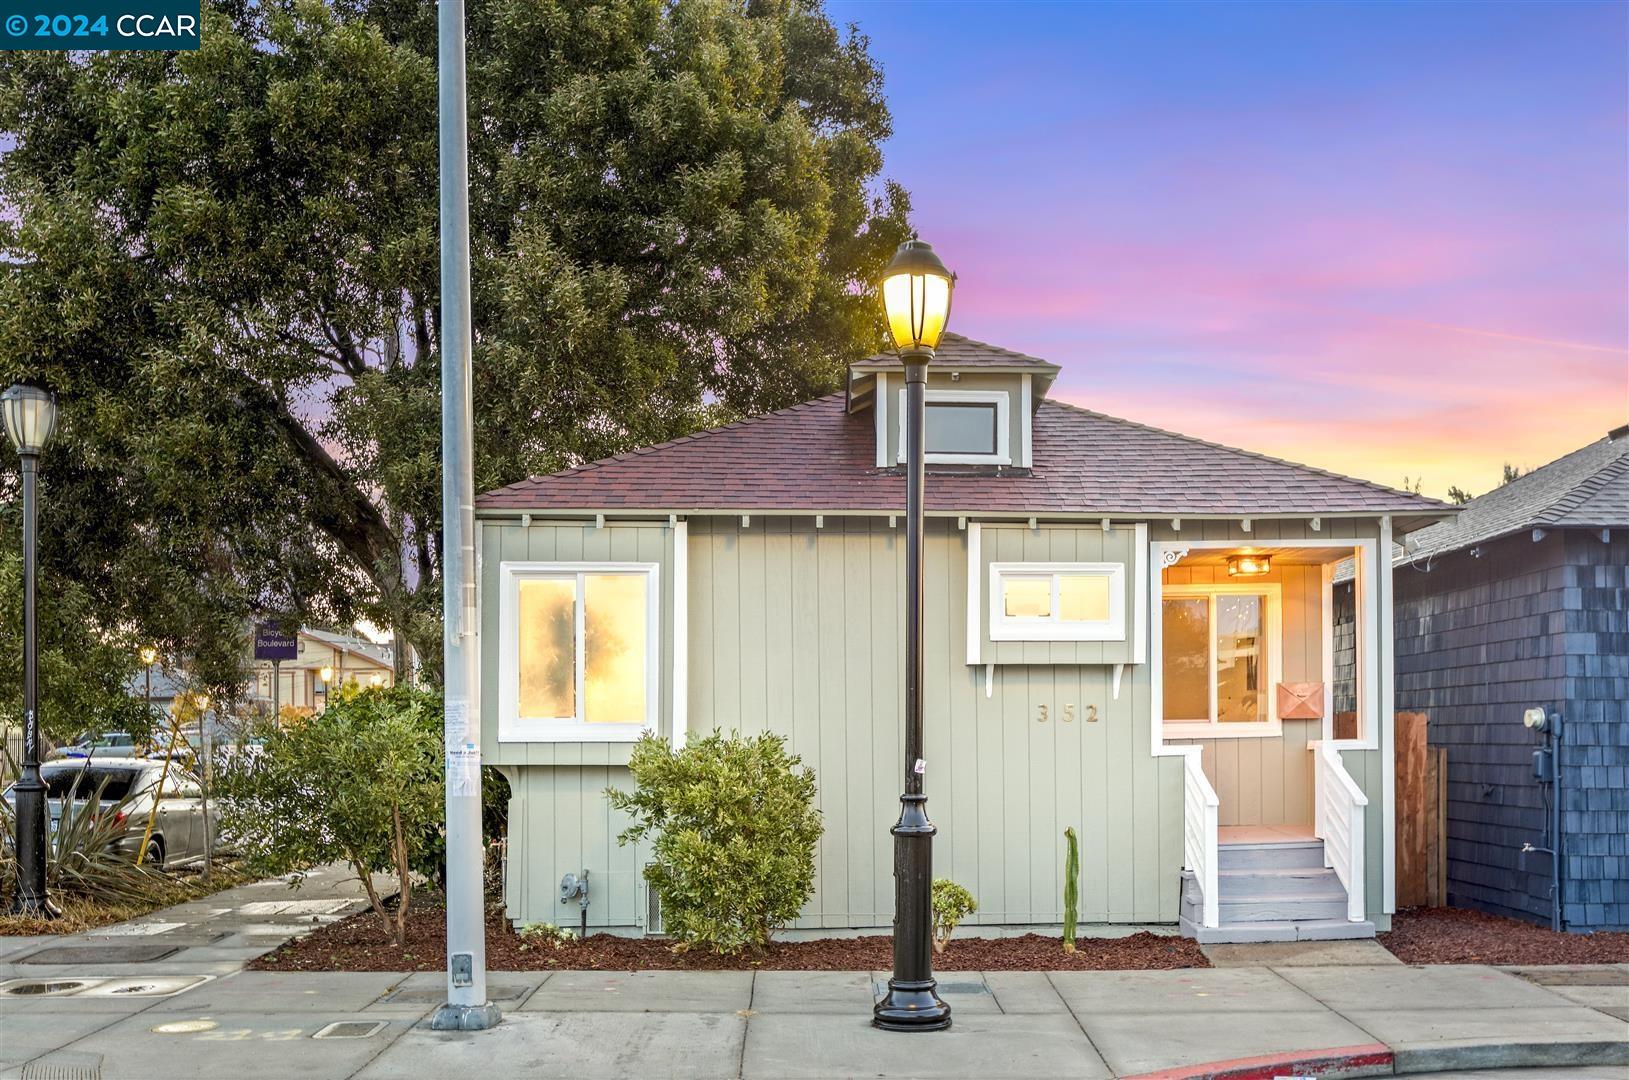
<point x="1301" y="853"/>
<point x="1290" y="908"/>
<point x="1290" y="881"/>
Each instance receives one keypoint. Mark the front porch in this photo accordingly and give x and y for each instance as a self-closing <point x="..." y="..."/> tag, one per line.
<point x="1278" y="842"/>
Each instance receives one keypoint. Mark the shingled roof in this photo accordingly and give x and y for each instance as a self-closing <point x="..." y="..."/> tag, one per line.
<point x="957" y="351"/>
<point x="1588" y="488"/>
<point x="816" y="457"/>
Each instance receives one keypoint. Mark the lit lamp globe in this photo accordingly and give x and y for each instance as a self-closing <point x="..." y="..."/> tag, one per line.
<point x="916" y="290"/>
<point x="30" y="416"/>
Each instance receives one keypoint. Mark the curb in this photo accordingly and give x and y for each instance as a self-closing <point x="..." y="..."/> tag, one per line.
<point x="1378" y="1059"/>
<point x="1445" y="1057"/>
<point x="1368" y="1059"/>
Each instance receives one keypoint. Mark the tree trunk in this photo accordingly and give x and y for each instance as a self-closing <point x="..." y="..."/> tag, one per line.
<point x="404" y="876"/>
<point x="373" y="894"/>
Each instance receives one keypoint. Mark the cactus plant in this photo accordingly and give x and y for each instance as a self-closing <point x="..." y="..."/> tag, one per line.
<point x="1071" y="889"/>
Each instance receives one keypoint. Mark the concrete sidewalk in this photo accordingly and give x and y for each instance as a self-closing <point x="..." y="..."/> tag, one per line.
<point x="1372" y="1020"/>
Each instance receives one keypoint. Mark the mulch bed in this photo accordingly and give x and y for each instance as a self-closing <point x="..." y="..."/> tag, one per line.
<point x="359" y="943"/>
<point x="1459" y="936"/>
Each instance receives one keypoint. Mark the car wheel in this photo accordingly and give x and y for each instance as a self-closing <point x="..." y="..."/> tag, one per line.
<point x="155" y="853"/>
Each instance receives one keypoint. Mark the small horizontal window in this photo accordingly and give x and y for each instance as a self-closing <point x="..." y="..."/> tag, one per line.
<point x="1057" y="602"/>
<point x="965" y="426"/>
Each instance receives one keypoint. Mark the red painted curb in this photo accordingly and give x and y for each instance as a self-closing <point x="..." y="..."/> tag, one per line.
<point x="1270" y="1066"/>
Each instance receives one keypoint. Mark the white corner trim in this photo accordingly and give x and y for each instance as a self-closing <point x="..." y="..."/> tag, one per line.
<point x="1388" y="718"/>
<point x="1119" y="670"/>
<point x="1139" y="606"/>
<point x="879" y="398"/>
<point x="975" y="567"/>
<point x="989" y="680"/>
<point x="1026" y="438"/>
<point x="680" y="682"/>
<point x="999" y="398"/>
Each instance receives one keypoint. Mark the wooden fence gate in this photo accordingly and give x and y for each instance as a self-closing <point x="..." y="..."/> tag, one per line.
<point x="1422" y="816"/>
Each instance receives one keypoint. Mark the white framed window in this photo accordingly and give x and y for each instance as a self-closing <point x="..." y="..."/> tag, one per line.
<point x="1057" y="601"/>
<point x="968" y="427"/>
<point x="578" y="651"/>
<point x="1220" y="660"/>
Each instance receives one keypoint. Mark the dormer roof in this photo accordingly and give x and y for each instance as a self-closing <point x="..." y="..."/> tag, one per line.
<point x="955" y="353"/>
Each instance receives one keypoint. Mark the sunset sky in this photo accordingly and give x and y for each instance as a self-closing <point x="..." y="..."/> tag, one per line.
<point x="1384" y="239"/>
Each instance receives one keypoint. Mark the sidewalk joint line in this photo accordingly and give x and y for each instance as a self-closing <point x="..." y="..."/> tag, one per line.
<point x="1076" y="1018"/>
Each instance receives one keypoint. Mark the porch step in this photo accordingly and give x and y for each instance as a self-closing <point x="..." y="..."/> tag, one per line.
<point x="1301" y="853"/>
<point x="1284" y="930"/>
<point x="1306" y="882"/>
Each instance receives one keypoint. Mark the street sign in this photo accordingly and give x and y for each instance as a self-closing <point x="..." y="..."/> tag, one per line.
<point x="272" y="644"/>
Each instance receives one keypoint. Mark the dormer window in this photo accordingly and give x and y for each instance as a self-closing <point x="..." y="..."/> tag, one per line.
<point x="969" y="427"/>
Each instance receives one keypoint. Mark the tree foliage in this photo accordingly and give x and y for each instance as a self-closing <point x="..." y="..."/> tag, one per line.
<point x="360" y="782"/>
<point x="225" y="261"/>
<point x="732" y="828"/>
<point x="951" y="904"/>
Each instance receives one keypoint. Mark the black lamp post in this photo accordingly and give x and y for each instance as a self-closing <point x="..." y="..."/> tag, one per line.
<point x="30" y="416"/>
<point x="916" y="296"/>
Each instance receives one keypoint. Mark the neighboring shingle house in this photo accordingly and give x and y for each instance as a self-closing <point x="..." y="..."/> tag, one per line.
<point x="1093" y="659"/>
<point x="1521" y="601"/>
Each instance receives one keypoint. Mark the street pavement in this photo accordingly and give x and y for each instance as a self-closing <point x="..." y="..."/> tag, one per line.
<point x="194" y="1013"/>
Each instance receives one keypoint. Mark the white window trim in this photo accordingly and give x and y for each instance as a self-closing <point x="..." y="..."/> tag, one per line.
<point x="514" y="728"/>
<point x="1214" y="728"/>
<point x="1003" y="628"/>
<point x="1002" y="402"/>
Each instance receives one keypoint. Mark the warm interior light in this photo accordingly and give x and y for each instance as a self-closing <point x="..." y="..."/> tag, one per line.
<point x="916" y="290"/>
<point x="1249" y="565"/>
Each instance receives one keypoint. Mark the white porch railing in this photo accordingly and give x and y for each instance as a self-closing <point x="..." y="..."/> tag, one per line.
<point x="1199" y="823"/>
<point x="1339" y="806"/>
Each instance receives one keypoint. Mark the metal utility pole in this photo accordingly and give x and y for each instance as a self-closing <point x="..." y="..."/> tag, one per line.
<point x="467" y="1007"/>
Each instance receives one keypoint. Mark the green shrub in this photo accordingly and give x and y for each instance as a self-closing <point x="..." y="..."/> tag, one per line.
<point x="733" y="829"/>
<point x="359" y="782"/>
<point x="1071" y="888"/>
<point x="951" y="904"/>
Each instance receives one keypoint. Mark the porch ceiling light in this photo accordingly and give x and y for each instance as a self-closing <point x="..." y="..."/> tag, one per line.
<point x="1249" y="565"/>
<point x="916" y="290"/>
<point x="30" y="415"/>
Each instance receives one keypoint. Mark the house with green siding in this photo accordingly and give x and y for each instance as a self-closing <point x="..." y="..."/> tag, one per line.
<point x="1129" y="631"/>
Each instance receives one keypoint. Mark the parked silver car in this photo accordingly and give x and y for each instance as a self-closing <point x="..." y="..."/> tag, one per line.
<point x="178" y="830"/>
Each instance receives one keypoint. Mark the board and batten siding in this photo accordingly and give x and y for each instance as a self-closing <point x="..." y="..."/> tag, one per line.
<point x="559" y="819"/>
<point x="799" y="630"/>
<point x="1268" y="781"/>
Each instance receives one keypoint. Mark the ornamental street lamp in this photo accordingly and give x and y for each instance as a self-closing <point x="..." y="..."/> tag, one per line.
<point x="916" y="297"/>
<point x="148" y="656"/>
<point x="30" y="416"/>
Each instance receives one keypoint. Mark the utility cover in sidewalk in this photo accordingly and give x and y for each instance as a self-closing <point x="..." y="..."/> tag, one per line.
<point x="151" y="986"/>
<point x="65" y="1065"/>
<point x="133" y="953"/>
<point x="44" y="987"/>
<point x="351" y="1029"/>
<point x="139" y="929"/>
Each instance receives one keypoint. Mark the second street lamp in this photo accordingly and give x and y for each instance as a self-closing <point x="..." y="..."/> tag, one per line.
<point x="30" y="416"/>
<point x="916" y="291"/>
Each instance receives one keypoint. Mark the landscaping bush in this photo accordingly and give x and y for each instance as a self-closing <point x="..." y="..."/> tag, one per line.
<point x="951" y="904"/>
<point x="359" y="782"/>
<point x="733" y="828"/>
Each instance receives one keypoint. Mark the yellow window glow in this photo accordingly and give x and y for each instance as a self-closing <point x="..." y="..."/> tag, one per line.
<point x="547" y="657"/>
<point x="1185" y="636"/>
<point x="1083" y="598"/>
<point x="614" y="624"/>
<point x="1026" y="597"/>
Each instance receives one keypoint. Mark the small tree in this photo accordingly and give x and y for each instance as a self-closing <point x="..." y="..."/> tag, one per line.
<point x="733" y="829"/>
<point x="360" y="782"/>
<point x="951" y="904"/>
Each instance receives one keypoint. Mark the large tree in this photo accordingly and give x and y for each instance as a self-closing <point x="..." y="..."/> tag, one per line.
<point x="226" y="263"/>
